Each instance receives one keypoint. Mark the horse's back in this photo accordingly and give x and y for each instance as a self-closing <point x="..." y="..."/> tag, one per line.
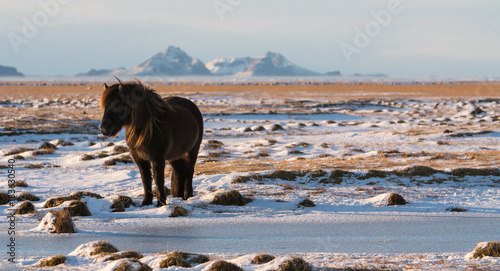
<point x="186" y="104"/>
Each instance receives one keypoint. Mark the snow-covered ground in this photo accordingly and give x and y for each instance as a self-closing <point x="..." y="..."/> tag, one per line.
<point x="346" y="155"/>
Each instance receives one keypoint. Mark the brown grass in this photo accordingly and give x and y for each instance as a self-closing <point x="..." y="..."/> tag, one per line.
<point x="131" y="254"/>
<point x="126" y="159"/>
<point x="232" y="197"/>
<point x="78" y="208"/>
<point x="178" y="210"/>
<point x="53" y="261"/>
<point x="21" y="184"/>
<point x="262" y="258"/>
<point x="121" y="203"/>
<point x="53" y="202"/>
<point x="307" y="203"/>
<point x="64" y="223"/>
<point x="4" y="198"/>
<point x="103" y="248"/>
<point x="26" y="208"/>
<point x="491" y="250"/>
<point x="28" y="196"/>
<point x="396" y="199"/>
<point x="295" y="264"/>
<point x="224" y="266"/>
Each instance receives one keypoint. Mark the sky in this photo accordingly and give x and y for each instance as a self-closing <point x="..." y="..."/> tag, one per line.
<point x="400" y="38"/>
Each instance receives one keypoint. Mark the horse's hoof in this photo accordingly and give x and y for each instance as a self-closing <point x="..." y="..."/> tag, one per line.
<point x="147" y="202"/>
<point x="159" y="204"/>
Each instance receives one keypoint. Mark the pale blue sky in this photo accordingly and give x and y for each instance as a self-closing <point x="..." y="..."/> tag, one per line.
<point x="447" y="38"/>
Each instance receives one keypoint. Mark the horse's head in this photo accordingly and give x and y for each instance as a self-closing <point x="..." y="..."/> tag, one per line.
<point x="116" y="112"/>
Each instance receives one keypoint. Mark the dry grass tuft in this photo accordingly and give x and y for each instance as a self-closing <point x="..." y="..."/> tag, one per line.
<point x="4" y="198"/>
<point x="103" y="248"/>
<point x="26" y="208"/>
<point x="87" y="157"/>
<point x="232" y="197"/>
<point x="43" y="152"/>
<point x="131" y="254"/>
<point x="48" y="146"/>
<point x="78" y="208"/>
<point x="53" y="261"/>
<point x="462" y="172"/>
<point x="423" y="171"/>
<point x="28" y="196"/>
<point x="178" y="210"/>
<point x="176" y="258"/>
<point x="214" y="144"/>
<point x="295" y="264"/>
<point x="17" y="151"/>
<point x="63" y="223"/>
<point x="395" y="199"/>
<point x="126" y="159"/>
<point x="21" y="184"/>
<point x="491" y="249"/>
<point x="224" y="266"/>
<point x="53" y="202"/>
<point x="262" y="258"/>
<point x="122" y="203"/>
<point x="120" y="149"/>
<point x="307" y="203"/>
<point x="128" y="266"/>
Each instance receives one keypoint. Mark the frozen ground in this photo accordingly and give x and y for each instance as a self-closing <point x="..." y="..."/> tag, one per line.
<point x="346" y="155"/>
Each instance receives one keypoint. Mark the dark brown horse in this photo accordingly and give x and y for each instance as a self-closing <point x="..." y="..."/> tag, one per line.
<point x="157" y="130"/>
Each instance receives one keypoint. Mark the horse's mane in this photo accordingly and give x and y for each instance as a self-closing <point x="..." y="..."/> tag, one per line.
<point x="142" y="103"/>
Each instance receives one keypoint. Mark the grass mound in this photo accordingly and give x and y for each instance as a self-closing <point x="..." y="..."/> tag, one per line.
<point x="285" y="175"/>
<point x="295" y="264"/>
<point x="462" y="172"/>
<point x="17" y="151"/>
<point x="487" y="249"/>
<point x="20" y="184"/>
<point x="103" y="248"/>
<point x="214" y="144"/>
<point x="307" y="203"/>
<point x="28" y="196"/>
<point x="120" y="149"/>
<point x="262" y="258"/>
<point x="232" y="197"/>
<point x="126" y="159"/>
<point x="129" y="265"/>
<point x="224" y="266"/>
<point x="53" y="202"/>
<point x="395" y="199"/>
<point x="179" y="211"/>
<point x="121" y="203"/>
<point x="53" y="261"/>
<point x="4" y="198"/>
<point x="78" y="208"/>
<point x="48" y="146"/>
<point x="183" y="259"/>
<point x="26" y="208"/>
<point x="423" y="171"/>
<point x="176" y="258"/>
<point x="63" y="223"/>
<point x="131" y="254"/>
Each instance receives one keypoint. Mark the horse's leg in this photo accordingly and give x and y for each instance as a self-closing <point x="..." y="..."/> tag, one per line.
<point x="159" y="176"/>
<point x="145" y="170"/>
<point x="178" y="178"/>
<point x="190" y="163"/>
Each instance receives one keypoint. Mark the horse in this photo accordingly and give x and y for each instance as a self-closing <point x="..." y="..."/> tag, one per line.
<point x="157" y="130"/>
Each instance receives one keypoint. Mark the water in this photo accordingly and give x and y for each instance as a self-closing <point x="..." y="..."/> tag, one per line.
<point x="345" y="233"/>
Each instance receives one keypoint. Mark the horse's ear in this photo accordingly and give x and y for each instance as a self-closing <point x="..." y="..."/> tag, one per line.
<point x="105" y="86"/>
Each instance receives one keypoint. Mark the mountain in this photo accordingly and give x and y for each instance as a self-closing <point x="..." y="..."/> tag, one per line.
<point x="9" y="71"/>
<point x="104" y="72"/>
<point x="172" y="61"/>
<point x="272" y="64"/>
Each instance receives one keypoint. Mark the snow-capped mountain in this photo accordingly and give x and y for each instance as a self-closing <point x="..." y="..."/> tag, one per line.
<point x="172" y="61"/>
<point x="272" y="64"/>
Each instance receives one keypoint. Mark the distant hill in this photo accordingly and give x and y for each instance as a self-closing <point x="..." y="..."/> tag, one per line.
<point x="272" y="64"/>
<point x="173" y="61"/>
<point x="9" y="71"/>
